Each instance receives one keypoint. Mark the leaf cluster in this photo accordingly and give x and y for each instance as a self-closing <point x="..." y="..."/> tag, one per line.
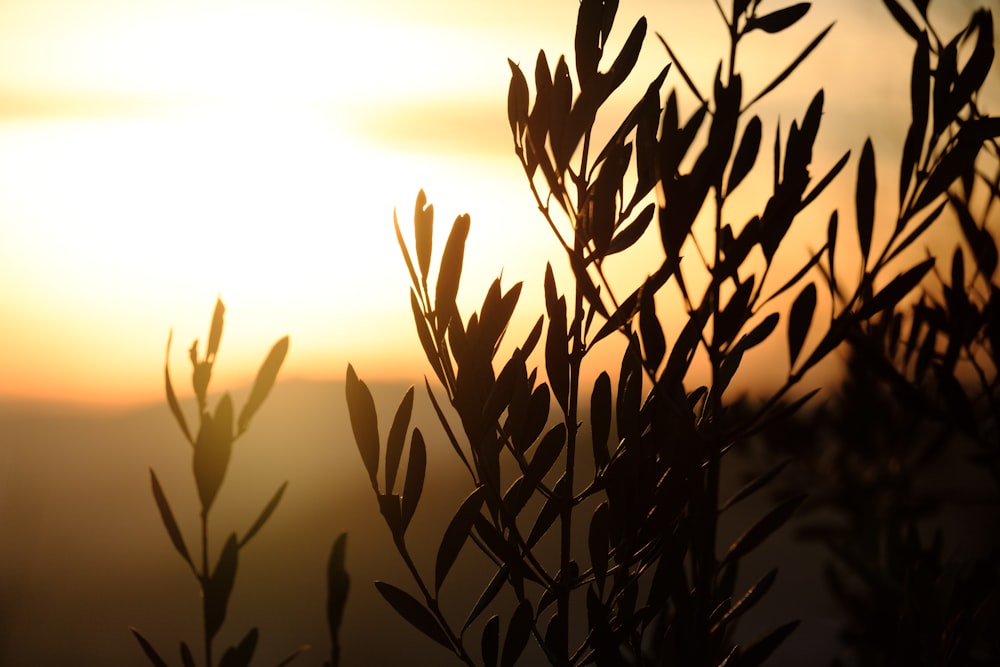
<point x="650" y="585"/>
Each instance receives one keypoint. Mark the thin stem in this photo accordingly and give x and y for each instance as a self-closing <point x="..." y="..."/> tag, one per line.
<point x="457" y="647"/>
<point x="205" y="575"/>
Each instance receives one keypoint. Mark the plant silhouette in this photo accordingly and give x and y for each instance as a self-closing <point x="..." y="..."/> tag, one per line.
<point x="920" y="400"/>
<point x="608" y="551"/>
<point x="212" y="446"/>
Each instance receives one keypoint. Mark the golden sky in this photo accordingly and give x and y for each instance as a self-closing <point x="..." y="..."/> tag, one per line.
<point x="155" y="155"/>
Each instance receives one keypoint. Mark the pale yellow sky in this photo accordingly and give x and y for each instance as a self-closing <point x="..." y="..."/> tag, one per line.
<point x="155" y="155"/>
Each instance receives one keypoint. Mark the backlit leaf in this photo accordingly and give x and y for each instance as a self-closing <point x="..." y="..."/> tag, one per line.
<point x="557" y="353"/>
<point x="168" y="519"/>
<point x="792" y="67"/>
<point x="490" y="643"/>
<point x="406" y="253"/>
<point x="186" y="656"/>
<point x="241" y="654"/>
<point x="600" y="418"/>
<point x="212" y="449"/>
<point x="778" y="20"/>
<point x="265" y="514"/>
<point x="364" y="423"/>
<point x="265" y="380"/>
<point x="763" y="529"/>
<point x="517" y="100"/>
<point x="633" y="231"/>
<point x="746" y="154"/>
<point x="977" y="68"/>
<point x="215" y="333"/>
<point x="338" y="584"/>
<point x="148" y="649"/>
<point x="518" y="633"/>
<point x="416" y="467"/>
<point x="597" y="542"/>
<point x="487" y="596"/>
<point x="451" y="270"/>
<point x="917" y="231"/>
<point x="175" y="407"/>
<point x="756" y="484"/>
<point x="545" y="455"/>
<point x="758" y="652"/>
<point x="423" y="231"/>
<point x="800" y="320"/>
<point x="751" y="597"/>
<point x="415" y="613"/>
<point x="455" y="535"/>
<point x="865" y="199"/>
<point x="759" y="333"/>
<point x="920" y="78"/>
<point x="904" y="20"/>
<point x="219" y="586"/>
<point x="890" y="295"/>
<point x="396" y="439"/>
<point x="651" y="331"/>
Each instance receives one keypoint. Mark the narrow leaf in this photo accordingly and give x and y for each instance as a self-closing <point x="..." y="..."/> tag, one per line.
<point x="651" y="331"/>
<point x="751" y="597"/>
<point x="212" y="449"/>
<point x="800" y="320"/>
<point x="490" y="643"/>
<point x="397" y="436"/>
<point x="186" y="656"/>
<point x="168" y="519"/>
<point x="761" y="650"/>
<point x="763" y="529"/>
<point x="406" y="253"/>
<point x="557" y="353"/>
<point x="746" y="154"/>
<point x="219" y="586"/>
<point x="264" y="515"/>
<point x="148" y="649"/>
<point x="904" y="20"/>
<point x="890" y="295"/>
<point x="450" y="272"/>
<point x="487" y="596"/>
<point x="518" y="633"/>
<point x="423" y="231"/>
<point x="791" y="68"/>
<point x="241" y="654"/>
<point x="865" y="199"/>
<point x="364" y="423"/>
<point x="415" y="470"/>
<point x="215" y="333"/>
<point x="778" y="20"/>
<point x="338" y="584"/>
<point x="455" y="535"/>
<point x="265" y="380"/>
<point x="415" y="613"/>
<point x="175" y="407"/>
<point x="597" y="542"/>
<point x="756" y="484"/>
<point x="517" y="100"/>
<point x="600" y="418"/>
<point x="759" y="333"/>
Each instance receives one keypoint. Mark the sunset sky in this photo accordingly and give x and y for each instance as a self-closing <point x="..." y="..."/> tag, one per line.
<point x="155" y="155"/>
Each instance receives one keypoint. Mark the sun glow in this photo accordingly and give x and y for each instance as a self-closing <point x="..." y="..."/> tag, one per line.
<point x="245" y="167"/>
<point x="156" y="155"/>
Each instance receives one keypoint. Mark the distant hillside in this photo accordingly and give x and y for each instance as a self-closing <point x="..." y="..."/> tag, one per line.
<point x="85" y="555"/>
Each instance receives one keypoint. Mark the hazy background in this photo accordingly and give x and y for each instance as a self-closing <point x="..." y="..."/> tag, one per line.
<point x="85" y="555"/>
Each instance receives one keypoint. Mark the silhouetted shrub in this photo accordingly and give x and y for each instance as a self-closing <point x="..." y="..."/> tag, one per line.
<point x="635" y="575"/>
